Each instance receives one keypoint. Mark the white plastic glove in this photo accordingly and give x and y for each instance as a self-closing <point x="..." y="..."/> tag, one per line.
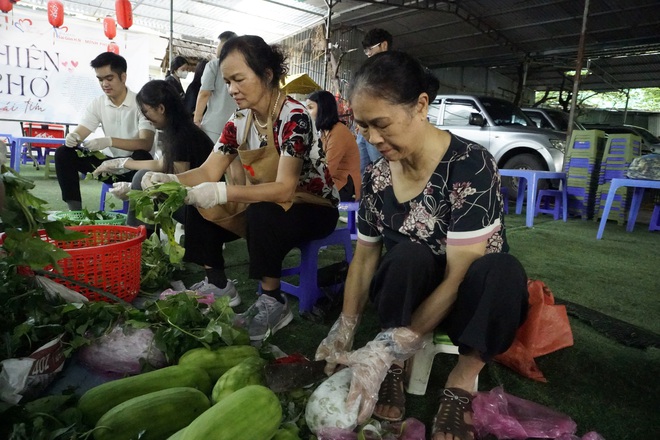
<point x="120" y="190"/>
<point x="72" y="140"/>
<point x="370" y="363"/>
<point x="112" y="166"/>
<point x="98" y="144"/>
<point x="207" y="194"/>
<point x="152" y="178"/>
<point x="339" y="340"/>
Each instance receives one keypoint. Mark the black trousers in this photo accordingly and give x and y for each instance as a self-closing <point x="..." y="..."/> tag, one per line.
<point x="204" y="239"/>
<point x="492" y="300"/>
<point x="272" y="232"/>
<point x="68" y="165"/>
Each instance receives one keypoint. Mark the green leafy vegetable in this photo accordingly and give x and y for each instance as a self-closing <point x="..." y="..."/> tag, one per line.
<point x="156" y="205"/>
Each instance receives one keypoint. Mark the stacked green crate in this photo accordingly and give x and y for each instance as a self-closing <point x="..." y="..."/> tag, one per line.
<point x="620" y="150"/>
<point x="581" y="165"/>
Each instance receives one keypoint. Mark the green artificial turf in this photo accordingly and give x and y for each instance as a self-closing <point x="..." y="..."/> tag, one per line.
<point x="601" y="382"/>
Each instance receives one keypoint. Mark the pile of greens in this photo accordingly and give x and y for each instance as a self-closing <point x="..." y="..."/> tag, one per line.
<point x="85" y="217"/>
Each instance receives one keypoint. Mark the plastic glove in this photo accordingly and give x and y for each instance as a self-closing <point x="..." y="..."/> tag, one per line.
<point x="152" y="178"/>
<point x="120" y="190"/>
<point x="370" y="363"/>
<point x="112" y="166"/>
<point x="98" y="144"/>
<point x="72" y="140"/>
<point x="207" y="194"/>
<point x="339" y="340"/>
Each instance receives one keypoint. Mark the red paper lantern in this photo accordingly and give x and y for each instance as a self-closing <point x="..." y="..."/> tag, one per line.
<point x="112" y="47"/>
<point x="109" y="27"/>
<point x="6" y="6"/>
<point x="55" y="13"/>
<point x="124" y="12"/>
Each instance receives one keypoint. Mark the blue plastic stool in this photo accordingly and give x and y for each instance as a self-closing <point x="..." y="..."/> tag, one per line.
<point x="654" y="224"/>
<point x="104" y="191"/>
<point x="351" y="209"/>
<point x="307" y="291"/>
<point x="543" y="205"/>
<point x="505" y="199"/>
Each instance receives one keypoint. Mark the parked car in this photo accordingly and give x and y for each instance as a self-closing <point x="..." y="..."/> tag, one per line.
<point x="551" y="118"/>
<point x="650" y="142"/>
<point x="510" y="136"/>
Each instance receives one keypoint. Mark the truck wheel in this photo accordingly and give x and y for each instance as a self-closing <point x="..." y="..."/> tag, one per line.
<point x="522" y="162"/>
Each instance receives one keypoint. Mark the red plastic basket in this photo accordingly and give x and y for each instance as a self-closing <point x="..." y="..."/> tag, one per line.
<point x="108" y="259"/>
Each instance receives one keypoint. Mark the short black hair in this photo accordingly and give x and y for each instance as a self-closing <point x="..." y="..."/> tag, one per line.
<point x="326" y="114"/>
<point x="177" y="62"/>
<point x="375" y="36"/>
<point x="116" y="62"/>
<point x="226" y="35"/>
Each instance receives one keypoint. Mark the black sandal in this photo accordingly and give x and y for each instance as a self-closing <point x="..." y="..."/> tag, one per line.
<point x="454" y="404"/>
<point x="391" y="393"/>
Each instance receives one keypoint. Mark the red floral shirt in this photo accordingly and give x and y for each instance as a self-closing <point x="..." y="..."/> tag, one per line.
<point x="295" y="136"/>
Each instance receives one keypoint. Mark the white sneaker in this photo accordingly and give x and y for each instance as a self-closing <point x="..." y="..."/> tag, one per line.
<point x="206" y="288"/>
<point x="266" y="316"/>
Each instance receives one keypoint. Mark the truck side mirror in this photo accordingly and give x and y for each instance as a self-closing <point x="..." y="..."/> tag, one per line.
<point x="476" y="119"/>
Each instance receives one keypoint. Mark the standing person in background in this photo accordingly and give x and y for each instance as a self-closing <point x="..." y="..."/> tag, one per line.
<point x="179" y="68"/>
<point x="128" y="133"/>
<point x="375" y="41"/>
<point x="185" y="146"/>
<point x="213" y="96"/>
<point x="341" y="151"/>
<point x="190" y="99"/>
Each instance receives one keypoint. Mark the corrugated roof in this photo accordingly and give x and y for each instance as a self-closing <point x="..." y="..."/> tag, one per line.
<point x="622" y="41"/>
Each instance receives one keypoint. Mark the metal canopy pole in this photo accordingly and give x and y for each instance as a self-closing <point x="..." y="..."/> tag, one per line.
<point x="578" y="73"/>
<point x="328" y="45"/>
<point x="171" y="32"/>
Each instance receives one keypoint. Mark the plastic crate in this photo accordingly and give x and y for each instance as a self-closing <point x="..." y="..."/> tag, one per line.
<point x="109" y="258"/>
<point x="79" y="218"/>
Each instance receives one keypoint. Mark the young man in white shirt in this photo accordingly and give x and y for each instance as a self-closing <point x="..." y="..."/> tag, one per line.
<point x="127" y="132"/>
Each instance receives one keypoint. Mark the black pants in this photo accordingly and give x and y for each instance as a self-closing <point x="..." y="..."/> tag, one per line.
<point x="272" y="232"/>
<point x="492" y="300"/>
<point x="68" y="165"/>
<point x="204" y="239"/>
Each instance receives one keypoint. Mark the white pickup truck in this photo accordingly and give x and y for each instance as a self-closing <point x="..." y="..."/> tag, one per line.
<point x="510" y="136"/>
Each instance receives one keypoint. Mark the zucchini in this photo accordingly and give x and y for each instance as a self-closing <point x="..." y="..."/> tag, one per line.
<point x="251" y="413"/>
<point x="100" y="399"/>
<point x="152" y="416"/>
<point x="217" y="362"/>
<point x="248" y="372"/>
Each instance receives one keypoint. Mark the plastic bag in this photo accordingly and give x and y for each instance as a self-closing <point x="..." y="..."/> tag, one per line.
<point x="506" y="416"/>
<point x="545" y="330"/>
<point x="122" y="350"/>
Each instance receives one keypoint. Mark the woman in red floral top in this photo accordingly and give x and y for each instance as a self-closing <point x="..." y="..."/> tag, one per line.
<point x="291" y="196"/>
<point x="433" y="202"/>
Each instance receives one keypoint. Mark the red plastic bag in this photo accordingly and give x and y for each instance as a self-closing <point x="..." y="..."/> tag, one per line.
<point x="509" y="417"/>
<point x="546" y="330"/>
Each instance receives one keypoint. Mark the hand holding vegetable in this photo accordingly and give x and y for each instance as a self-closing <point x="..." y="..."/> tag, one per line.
<point x="98" y="144"/>
<point x="120" y="190"/>
<point x="152" y="178"/>
<point x="112" y="166"/>
<point x="72" y="140"/>
<point x="207" y="194"/>
<point x="339" y="340"/>
<point x="370" y="363"/>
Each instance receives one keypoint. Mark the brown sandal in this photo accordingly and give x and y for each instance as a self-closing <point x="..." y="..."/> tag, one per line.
<point x="454" y="404"/>
<point x="391" y="393"/>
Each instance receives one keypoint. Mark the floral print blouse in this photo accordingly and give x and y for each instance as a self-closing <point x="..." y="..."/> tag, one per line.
<point x="294" y="136"/>
<point x="460" y="205"/>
